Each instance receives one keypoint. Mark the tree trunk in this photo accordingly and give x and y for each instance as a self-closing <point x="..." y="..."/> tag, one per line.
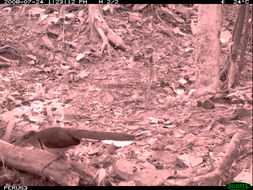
<point x="208" y="49"/>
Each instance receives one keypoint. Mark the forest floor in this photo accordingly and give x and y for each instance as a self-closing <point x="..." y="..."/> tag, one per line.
<point x="50" y="63"/>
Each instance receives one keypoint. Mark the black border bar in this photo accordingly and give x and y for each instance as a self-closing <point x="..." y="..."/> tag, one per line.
<point x="126" y="1"/>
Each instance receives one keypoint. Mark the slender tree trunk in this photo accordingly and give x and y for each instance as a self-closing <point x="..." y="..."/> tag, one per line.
<point x="208" y="49"/>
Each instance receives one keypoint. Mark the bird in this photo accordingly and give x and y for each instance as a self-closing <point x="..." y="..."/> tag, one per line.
<point x="58" y="140"/>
